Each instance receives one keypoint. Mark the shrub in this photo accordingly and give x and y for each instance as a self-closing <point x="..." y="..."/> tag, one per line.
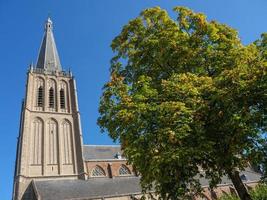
<point x="229" y="197"/>
<point x="259" y="193"/>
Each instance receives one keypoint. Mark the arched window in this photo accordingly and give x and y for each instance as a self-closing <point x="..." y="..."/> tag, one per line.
<point x="98" y="171"/>
<point x="124" y="171"/>
<point x="40" y="97"/>
<point x="62" y="99"/>
<point x="51" y="98"/>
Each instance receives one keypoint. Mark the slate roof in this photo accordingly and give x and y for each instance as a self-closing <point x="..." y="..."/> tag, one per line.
<point x="105" y="187"/>
<point x="250" y="175"/>
<point x="48" y="58"/>
<point x="101" y="152"/>
<point x="94" y="188"/>
<point x="87" y="189"/>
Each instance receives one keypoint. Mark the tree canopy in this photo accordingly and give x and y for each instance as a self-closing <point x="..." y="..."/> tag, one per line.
<point x="186" y="99"/>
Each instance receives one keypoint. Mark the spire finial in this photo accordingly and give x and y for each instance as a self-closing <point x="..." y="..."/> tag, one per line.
<point x="48" y="23"/>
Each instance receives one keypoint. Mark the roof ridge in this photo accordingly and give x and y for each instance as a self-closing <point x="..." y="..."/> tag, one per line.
<point x="102" y="145"/>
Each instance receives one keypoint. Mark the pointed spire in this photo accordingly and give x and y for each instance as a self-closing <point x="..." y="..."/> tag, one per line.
<point x="48" y="58"/>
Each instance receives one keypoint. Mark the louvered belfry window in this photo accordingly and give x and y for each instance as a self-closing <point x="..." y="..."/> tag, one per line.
<point x="62" y="99"/>
<point x="51" y="98"/>
<point x="40" y="97"/>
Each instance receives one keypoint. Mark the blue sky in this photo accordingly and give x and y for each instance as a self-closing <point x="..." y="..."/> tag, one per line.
<point x="84" y="30"/>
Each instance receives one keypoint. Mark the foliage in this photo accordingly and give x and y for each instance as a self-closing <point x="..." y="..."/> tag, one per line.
<point x="259" y="193"/>
<point x="183" y="93"/>
<point x="229" y="197"/>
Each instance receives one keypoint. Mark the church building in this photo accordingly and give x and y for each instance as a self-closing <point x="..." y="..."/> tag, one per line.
<point x="52" y="163"/>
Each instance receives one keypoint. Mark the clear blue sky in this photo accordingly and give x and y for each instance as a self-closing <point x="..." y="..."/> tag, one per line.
<point x="83" y="30"/>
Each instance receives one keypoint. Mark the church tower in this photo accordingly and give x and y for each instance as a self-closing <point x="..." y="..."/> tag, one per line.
<point x="50" y="137"/>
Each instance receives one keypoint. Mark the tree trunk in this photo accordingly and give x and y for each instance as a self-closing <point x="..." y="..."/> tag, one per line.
<point x="239" y="185"/>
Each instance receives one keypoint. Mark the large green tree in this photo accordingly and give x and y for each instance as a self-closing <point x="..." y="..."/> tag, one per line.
<point x="186" y="100"/>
